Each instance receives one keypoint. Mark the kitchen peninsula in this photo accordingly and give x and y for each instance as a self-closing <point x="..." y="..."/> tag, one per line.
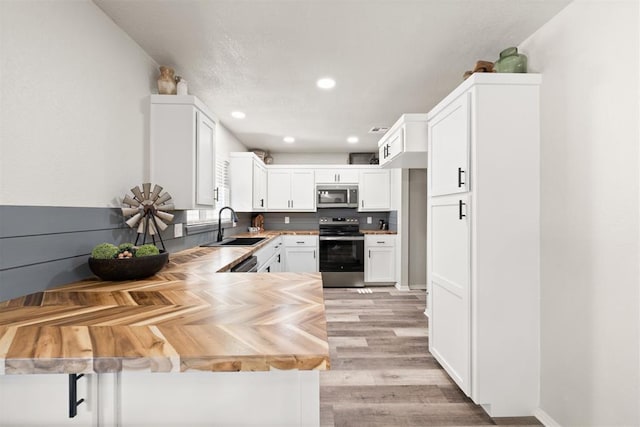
<point x="188" y="346"/>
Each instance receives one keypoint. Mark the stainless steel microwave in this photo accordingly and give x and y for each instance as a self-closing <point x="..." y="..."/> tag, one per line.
<point x="337" y="196"/>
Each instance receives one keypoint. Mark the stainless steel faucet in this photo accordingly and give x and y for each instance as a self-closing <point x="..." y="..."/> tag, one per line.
<point x="220" y="230"/>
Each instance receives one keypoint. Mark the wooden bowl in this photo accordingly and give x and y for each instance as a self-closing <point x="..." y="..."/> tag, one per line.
<point x="128" y="268"/>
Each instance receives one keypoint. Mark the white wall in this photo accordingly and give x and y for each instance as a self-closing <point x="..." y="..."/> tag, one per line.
<point x="310" y="158"/>
<point x="226" y="143"/>
<point x="588" y="55"/>
<point x="73" y="97"/>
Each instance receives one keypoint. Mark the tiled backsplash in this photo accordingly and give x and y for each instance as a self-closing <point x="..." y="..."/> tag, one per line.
<point x="309" y="220"/>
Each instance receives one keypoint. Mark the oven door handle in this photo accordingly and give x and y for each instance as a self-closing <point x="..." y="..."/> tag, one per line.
<point x="341" y="237"/>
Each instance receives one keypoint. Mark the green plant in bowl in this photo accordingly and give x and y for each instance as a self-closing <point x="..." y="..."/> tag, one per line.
<point x="147" y="250"/>
<point x="104" y="251"/>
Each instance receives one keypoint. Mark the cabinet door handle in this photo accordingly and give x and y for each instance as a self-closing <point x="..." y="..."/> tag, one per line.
<point x="362" y="203"/>
<point x="314" y="254"/>
<point x="216" y="193"/>
<point x="269" y="269"/>
<point x="292" y="203"/>
<point x="460" y="205"/>
<point x="369" y="253"/>
<point x="460" y="182"/>
<point x="278" y="257"/>
<point x="262" y="203"/>
<point x="338" y="177"/>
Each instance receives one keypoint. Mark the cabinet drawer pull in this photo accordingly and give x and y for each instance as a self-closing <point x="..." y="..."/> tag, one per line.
<point x="460" y="182"/>
<point x="380" y="242"/>
<point x="460" y="205"/>
<point x="299" y="243"/>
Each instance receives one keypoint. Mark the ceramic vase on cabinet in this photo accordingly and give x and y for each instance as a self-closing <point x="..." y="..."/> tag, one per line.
<point x="166" y="81"/>
<point x="511" y="61"/>
<point x="181" y="86"/>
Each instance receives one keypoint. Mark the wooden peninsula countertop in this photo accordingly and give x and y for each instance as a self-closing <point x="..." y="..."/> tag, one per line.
<point x="187" y="317"/>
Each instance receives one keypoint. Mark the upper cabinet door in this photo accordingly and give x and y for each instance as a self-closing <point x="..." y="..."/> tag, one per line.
<point x="303" y="196"/>
<point x="205" y="159"/>
<point x="449" y="137"/>
<point x="278" y="189"/>
<point x="259" y="187"/>
<point x="374" y="191"/>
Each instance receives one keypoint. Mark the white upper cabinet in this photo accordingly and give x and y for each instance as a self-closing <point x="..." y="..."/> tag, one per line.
<point x="182" y="150"/>
<point x="405" y="144"/>
<point x="374" y="191"/>
<point x="449" y="135"/>
<point x="337" y="176"/>
<point x="248" y="176"/>
<point x="290" y="189"/>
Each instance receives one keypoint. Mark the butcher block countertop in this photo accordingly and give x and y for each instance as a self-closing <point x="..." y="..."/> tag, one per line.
<point x="188" y="317"/>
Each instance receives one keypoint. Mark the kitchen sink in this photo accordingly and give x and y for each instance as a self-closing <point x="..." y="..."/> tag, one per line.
<point x="237" y="241"/>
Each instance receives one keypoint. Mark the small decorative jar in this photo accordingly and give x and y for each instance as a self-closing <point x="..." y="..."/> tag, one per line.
<point x="511" y="61"/>
<point x="166" y="81"/>
<point x="181" y="86"/>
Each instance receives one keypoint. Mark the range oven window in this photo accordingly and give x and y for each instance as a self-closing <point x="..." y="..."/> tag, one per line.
<point x="341" y="254"/>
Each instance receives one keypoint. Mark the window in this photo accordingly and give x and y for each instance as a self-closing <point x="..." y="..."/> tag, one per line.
<point x="222" y="189"/>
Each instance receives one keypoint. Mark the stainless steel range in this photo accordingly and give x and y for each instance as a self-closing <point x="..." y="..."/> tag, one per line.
<point x="341" y="253"/>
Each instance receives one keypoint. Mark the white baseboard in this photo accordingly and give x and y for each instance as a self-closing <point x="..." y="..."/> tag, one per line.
<point x="400" y="287"/>
<point x="545" y="418"/>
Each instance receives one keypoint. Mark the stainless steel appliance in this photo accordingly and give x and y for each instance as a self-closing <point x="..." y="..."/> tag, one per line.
<point x="341" y="253"/>
<point x="337" y="196"/>
<point x="249" y="265"/>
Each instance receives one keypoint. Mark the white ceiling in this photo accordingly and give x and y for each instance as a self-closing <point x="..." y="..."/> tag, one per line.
<point x="263" y="57"/>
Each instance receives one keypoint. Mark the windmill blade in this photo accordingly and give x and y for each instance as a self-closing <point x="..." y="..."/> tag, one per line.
<point x="161" y="225"/>
<point x="152" y="228"/>
<point x="141" y="226"/>
<point x="146" y="189"/>
<point x="131" y="222"/>
<point x="136" y="191"/>
<point x="169" y="207"/>
<point x="156" y="192"/>
<point x="167" y="217"/>
<point x="164" y="198"/>
<point x="131" y="202"/>
<point x="129" y="211"/>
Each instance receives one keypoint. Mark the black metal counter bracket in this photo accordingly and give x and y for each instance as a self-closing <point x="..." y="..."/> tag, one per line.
<point x="73" y="394"/>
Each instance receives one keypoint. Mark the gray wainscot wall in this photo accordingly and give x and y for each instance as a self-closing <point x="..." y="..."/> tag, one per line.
<point x="43" y="247"/>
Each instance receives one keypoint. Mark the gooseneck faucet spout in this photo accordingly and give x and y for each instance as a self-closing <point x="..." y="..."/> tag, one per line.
<point x="220" y="230"/>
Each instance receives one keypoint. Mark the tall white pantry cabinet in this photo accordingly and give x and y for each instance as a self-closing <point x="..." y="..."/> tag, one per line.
<point x="483" y="240"/>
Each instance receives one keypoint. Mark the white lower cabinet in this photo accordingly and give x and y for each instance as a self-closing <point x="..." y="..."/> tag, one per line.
<point x="380" y="258"/>
<point x="301" y="254"/>
<point x="450" y="335"/>
<point x="270" y="256"/>
<point x="43" y="400"/>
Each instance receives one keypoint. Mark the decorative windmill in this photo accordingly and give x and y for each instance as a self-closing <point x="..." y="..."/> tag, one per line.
<point x="148" y="211"/>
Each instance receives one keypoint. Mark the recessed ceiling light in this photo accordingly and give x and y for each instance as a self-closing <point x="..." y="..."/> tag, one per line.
<point x="289" y="139"/>
<point x="238" y="115"/>
<point x="352" y="139"/>
<point x="326" y="83"/>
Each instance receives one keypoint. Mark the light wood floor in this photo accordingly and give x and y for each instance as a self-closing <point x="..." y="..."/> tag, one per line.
<point x="382" y="373"/>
